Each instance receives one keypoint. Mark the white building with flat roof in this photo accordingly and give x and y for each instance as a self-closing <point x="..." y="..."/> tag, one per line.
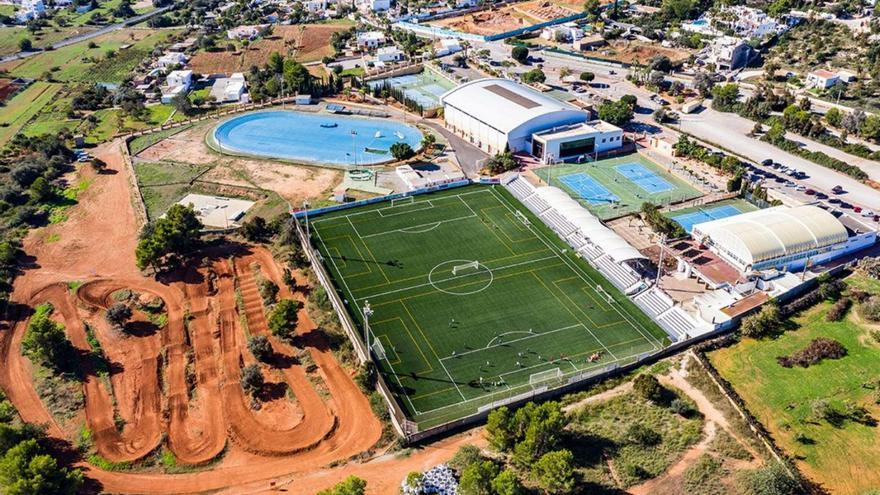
<point x="172" y="59"/>
<point x="576" y="140"/>
<point x="370" y="39"/>
<point x="495" y="114"/>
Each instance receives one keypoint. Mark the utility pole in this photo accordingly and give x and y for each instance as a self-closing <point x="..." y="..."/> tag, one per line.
<point x="660" y="263"/>
<point x="368" y="312"/>
<point x="308" y="230"/>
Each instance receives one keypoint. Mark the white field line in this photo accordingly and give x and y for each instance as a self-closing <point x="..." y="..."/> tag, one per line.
<point x="531" y="336"/>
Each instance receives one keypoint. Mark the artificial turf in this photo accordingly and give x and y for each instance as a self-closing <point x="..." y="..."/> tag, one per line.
<point x="617" y="189"/>
<point x="456" y="342"/>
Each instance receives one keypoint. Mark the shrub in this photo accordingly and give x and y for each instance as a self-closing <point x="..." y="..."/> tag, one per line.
<point x="587" y="76"/>
<point x="640" y="434"/>
<point x="118" y="315"/>
<point x="682" y="408"/>
<point x="818" y="349"/>
<point x="520" y="53"/>
<point x="268" y="291"/>
<point x="870" y="266"/>
<point x="870" y="309"/>
<point x="464" y="457"/>
<point x="402" y="151"/>
<point x="260" y="347"/>
<point x="252" y="379"/>
<point x="282" y="321"/>
<point x="838" y="310"/>
<point x="770" y="480"/>
<point x="647" y="387"/>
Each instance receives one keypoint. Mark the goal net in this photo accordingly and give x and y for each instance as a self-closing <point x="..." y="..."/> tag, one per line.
<point x="402" y="201"/>
<point x="604" y="294"/>
<point x="542" y="377"/>
<point x="473" y="265"/>
<point x="378" y="349"/>
<point x="522" y="217"/>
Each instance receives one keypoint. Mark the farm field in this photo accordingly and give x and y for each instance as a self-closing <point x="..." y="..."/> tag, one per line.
<point x="24" y="106"/>
<point x="305" y="43"/>
<point x="495" y="21"/>
<point x="11" y="35"/>
<point x="472" y="305"/>
<point x="617" y="186"/>
<point x="74" y="63"/>
<point x="843" y="458"/>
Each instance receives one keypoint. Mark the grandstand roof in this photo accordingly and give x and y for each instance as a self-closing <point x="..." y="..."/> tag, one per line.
<point x="773" y="233"/>
<point x="617" y="248"/>
<point x="504" y="104"/>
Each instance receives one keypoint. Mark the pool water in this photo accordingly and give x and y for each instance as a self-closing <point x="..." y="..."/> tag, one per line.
<point x="314" y="138"/>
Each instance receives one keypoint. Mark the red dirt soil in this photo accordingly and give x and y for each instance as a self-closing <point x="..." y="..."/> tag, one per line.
<point x="192" y="417"/>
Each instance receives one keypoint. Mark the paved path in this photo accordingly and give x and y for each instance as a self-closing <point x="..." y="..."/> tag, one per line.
<point x="87" y="36"/>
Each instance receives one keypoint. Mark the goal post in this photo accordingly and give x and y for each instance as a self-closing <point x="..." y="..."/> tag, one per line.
<point x="378" y="349"/>
<point x="543" y="377"/>
<point x="604" y="294"/>
<point x="522" y="217"/>
<point x="408" y="200"/>
<point x="473" y="265"/>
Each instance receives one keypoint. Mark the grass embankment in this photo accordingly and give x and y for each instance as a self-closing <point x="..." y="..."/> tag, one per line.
<point x="162" y="184"/>
<point x="23" y="107"/>
<point x="843" y="458"/>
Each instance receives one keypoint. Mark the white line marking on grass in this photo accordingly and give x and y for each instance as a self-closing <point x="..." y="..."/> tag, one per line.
<point x="418" y="286"/>
<point x="351" y="295"/>
<point x="354" y="214"/>
<point x="403" y="230"/>
<point x="531" y="336"/>
<point x="637" y="326"/>
<point x="430" y="206"/>
<point x="452" y="379"/>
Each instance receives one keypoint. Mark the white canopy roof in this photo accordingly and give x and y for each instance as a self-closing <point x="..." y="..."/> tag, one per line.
<point x="772" y="233"/>
<point x="617" y="248"/>
<point x="504" y="104"/>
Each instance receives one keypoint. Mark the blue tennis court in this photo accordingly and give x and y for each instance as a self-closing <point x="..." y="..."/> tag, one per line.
<point x="649" y="181"/>
<point x="588" y="188"/>
<point x="688" y="220"/>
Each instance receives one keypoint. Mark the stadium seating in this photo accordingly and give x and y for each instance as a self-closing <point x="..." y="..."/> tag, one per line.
<point x="618" y="275"/>
<point x="557" y="222"/>
<point x="653" y="301"/>
<point x="590" y="251"/>
<point x="679" y="322"/>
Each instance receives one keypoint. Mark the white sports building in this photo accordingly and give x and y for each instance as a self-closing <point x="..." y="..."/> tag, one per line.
<point x="496" y="114"/>
<point x="781" y="238"/>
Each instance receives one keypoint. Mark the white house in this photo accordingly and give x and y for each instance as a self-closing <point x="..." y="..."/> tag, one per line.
<point x="230" y="89"/>
<point x="370" y="39"/>
<point x="378" y="5"/>
<point x="822" y="79"/>
<point x="244" y="32"/>
<point x="30" y="9"/>
<point x="177" y="82"/>
<point x="171" y="59"/>
<point x="389" y="54"/>
<point x="448" y="46"/>
<point x="727" y="53"/>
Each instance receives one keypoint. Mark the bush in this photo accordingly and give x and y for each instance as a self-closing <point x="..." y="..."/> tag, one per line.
<point x="639" y="434"/>
<point x="252" y="379"/>
<point x="118" y="315"/>
<point x="682" y="407"/>
<point x="838" y="310"/>
<point x="520" y="53"/>
<point x="870" y="309"/>
<point x="647" y="387"/>
<point x="763" y="324"/>
<point x="268" y="291"/>
<point x="464" y="457"/>
<point x="534" y="76"/>
<point x="652" y="215"/>
<point x="870" y="266"/>
<point x="770" y="480"/>
<point x="587" y="76"/>
<point x="282" y="321"/>
<point x="260" y="347"/>
<point x="402" y="151"/>
<point x="46" y="342"/>
<point x="818" y="349"/>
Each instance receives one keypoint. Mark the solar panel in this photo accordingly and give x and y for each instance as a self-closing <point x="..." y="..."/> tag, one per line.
<point x="511" y="96"/>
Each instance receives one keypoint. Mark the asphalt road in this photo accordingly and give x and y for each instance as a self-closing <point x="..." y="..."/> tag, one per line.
<point x="87" y="36"/>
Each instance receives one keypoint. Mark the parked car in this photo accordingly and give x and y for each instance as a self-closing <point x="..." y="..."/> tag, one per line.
<point x="834" y="201"/>
<point x="844" y="204"/>
<point x="857" y="209"/>
<point x="821" y="195"/>
<point x="837" y="190"/>
<point x="868" y="213"/>
<point x="767" y="163"/>
<point x="810" y="192"/>
<point x="789" y="184"/>
<point x="801" y="189"/>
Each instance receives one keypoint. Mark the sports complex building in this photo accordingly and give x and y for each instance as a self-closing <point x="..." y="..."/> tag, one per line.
<point x="499" y="114"/>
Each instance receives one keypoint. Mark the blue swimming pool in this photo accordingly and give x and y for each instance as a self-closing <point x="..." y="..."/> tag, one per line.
<point x="314" y="138"/>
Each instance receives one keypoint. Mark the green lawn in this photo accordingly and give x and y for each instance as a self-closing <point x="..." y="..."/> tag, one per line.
<point x="163" y="184"/>
<point x="616" y="195"/>
<point x="23" y="107"/>
<point x="843" y="459"/>
<point x="11" y="35"/>
<point x="529" y="306"/>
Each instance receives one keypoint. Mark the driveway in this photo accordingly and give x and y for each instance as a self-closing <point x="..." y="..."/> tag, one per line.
<point x="469" y="156"/>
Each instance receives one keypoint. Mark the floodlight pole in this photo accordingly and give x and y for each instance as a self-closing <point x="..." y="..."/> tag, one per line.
<point x="660" y="263"/>
<point x="308" y="230"/>
<point x="368" y="312"/>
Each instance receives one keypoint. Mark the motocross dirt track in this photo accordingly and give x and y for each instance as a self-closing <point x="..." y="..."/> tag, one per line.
<point x="202" y="413"/>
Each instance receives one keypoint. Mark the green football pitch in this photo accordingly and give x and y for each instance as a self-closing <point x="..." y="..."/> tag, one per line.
<point x="474" y="301"/>
<point x="617" y="186"/>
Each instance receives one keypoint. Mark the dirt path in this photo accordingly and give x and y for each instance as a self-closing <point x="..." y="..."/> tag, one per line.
<point x="714" y="420"/>
<point x="202" y="347"/>
<point x="600" y="397"/>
